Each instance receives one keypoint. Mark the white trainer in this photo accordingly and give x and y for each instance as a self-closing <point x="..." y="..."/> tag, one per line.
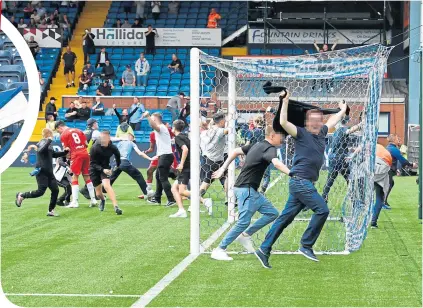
<point x="246" y="242"/>
<point x="93" y="203"/>
<point x="73" y="204"/>
<point x="220" y="255"/>
<point x="208" y="203"/>
<point x="179" y="214"/>
<point x="150" y="193"/>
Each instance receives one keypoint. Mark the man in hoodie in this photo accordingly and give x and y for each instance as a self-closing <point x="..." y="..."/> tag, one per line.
<point x="142" y="67"/>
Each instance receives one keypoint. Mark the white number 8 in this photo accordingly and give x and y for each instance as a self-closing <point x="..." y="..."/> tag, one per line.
<point x="76" y="138"/>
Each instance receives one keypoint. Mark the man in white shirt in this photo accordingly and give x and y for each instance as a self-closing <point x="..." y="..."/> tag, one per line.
<point x="142" y="67"/>
<point x="165" y="154"/>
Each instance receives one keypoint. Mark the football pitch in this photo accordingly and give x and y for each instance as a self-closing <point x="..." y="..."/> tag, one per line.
<point x="87" y="258"/>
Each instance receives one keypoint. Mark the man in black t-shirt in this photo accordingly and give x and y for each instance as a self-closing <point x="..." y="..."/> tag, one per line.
<point x="72" y="113"/>
<point x="179" y="188"/>
<point x="258" y="157"/>
<point x="176" y="65"/>
<point x="84" y="113"/>
<point x="69" y="59"/>
<point x="33" y="46"/>
<point x="150" y="40"/>
<point x="105" y="89"/>
<point x="308" y="159"/>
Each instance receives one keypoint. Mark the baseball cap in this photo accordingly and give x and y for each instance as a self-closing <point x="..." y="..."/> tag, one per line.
<point x="128" y="66"/>
<point x="53" y="98"/>
<point x="91" y="121"/>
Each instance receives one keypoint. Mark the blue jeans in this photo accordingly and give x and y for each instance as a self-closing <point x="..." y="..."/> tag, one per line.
<point x="380" y="200"/>
<point x="142" y="80"/>
<point x="174" y="113"/>
<point x="249" y="202"/>
<point x="302" y="193"/>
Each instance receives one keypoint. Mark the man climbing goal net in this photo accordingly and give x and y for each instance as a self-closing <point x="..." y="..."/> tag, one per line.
<point x="233" y="90"/>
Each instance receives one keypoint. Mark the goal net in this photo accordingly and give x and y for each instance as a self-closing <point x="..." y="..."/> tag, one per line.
<point x="235" y="88"/>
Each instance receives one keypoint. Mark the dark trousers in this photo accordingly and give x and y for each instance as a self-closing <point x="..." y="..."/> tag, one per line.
<point x="136" y="126"/>
<point x="336" y="167"/>
<point x="162" y="175"/>
<point x="156" y="16"/>
<point x="68" y="190"/>
<point x="133" y="172"/>
<point x="150" y="50"/>
<point x="302" y="193"/>
<point x="86" y="56"/>
<point x="44" y="181"/>
<point x="378" y="204"/>
<point x="391" y="183"/>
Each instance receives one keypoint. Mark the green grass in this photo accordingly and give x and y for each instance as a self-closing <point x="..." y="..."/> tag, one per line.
<point x="87" y="252"/>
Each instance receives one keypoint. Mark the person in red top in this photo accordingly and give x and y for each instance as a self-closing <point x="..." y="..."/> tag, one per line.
<point x="75" y="141"/>
<point x="154" y="163"/>
<point x="214" y="17"/>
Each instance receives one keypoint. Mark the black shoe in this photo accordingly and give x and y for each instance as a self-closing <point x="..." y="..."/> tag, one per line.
<point x="67" y="86"/>
<point x="73" y="84"/>
<point x="170" y="203"/>
<point x="374" y="225"/>
<point x="264" y="260"/>
<point x="263" y="190"/>
<point x="60" y="203"/>
<point x="85" y="193"/>
<point x="308" y="253"/>
<point x="153" y="201"/>
<point x="101" y="205"/>
<point x="118" y="211"/>
<point x="19" y="199"/>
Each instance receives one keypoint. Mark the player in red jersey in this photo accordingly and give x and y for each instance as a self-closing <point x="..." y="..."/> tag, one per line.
<point x="75" y="140"/>
<point x="154" y="163"/>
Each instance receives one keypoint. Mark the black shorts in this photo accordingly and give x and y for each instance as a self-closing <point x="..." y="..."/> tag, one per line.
<point x="69" y="69"/>
<point x="97" y="177"/>
<point x="183" y="177"/>
<point x="208" y="168"/>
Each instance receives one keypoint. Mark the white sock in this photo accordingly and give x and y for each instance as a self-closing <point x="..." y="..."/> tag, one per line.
<point x="75" y="193"/>
<point x="91" y="191"/>
<point x="149" y="186"/>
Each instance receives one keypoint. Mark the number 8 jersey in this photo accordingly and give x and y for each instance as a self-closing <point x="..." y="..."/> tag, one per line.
<point x="75" y="140"/>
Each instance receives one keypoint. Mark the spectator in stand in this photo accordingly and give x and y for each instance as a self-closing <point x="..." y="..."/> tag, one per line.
<point x="33" y="46"/>
<point x="28" y="10"/>
<point x="70" y="59"/>
<point x="126" y="24"/>
<point x="32" y="23"/>
<point x="64" y="22"/>
<point x="90" y="69"/>
<point x="102" y="57"/>
<point x="325" y="47"/>
<point x="176" y="65"/>
<point x="41" y="80"/>
<point x="35" y="16"/>
<point x="213" y="20"/>
<point x="98" y="107"/>
<point x="124" y="117"/>
<point x="88" y="45"/>
<point x="42" y="25"/>
<point x="117" y="24"/>
<point x="72" y="113"/>
<point x="127" y="6"/>
<point x="84" y="81"/>
<point x="137" y="23"/>
<point x="128" y="77"/>
<point x="142" y="67"/>
<point x="204" y="108"/>
<point x="51" y="108"/>
<point x="155" y="9"/>
<point x="41" y="11"/>
<point x="12" y="7"/>
<point x="136" y="118"/>
<point x="108" y="71"/>
<point x="173" y="7"/>
<point x="329" y="83"/>
<point x="185" y="112"/>
<point x="50" y="123"/>
<point x="174" y="105"/>
<point x="53" y="25"/>
<point x="13" y="22"/>
<point x="150" y="38"/>
<point x="140" y="10"/>
<point x="105" y="89"/>
<point x="84" y="113"/>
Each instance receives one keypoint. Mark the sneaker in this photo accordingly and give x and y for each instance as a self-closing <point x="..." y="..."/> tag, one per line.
<point x="220" y="255"/>
<point x="263" y="190"/>
<point x="150" y="193"/>
<point x="153" y="201"/>
<point x="246" y="242"/>
<point x="19" y="199"/>
<point x="73" y="204"/>
<point x="386" y="207"/>
<point x="179" y="214"/>
<point x="102" y="205"/>
<point x="208" y="203"/>
<point x="374" y="225"/>
<point x="170" y="203"/>
<point x="118" y="211"/>
<point x="264" y="260"/>
<point x="52" y="214"/>
<point x="67" y="86"/>
<point x="308" y="253"/>
<point x="189" y="209"/>
<point x="73" y="84"/>
<point x="93" y="202"/>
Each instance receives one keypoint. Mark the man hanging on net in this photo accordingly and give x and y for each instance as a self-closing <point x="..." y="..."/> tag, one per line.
<point x="258" y="157"/>
<point x="308" y="159"/>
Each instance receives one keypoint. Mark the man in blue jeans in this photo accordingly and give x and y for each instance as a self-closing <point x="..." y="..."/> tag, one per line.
<point x="308" y="159"/>
<point x="258" y="157"/>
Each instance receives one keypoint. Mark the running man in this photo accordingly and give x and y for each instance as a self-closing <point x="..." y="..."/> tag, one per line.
<point x="258" y="157"/>
<point x="75" y="140"/>
<point x="100" y="170"/>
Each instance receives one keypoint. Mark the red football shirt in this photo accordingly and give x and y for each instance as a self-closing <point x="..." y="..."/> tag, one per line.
<point x="75" y="140"/>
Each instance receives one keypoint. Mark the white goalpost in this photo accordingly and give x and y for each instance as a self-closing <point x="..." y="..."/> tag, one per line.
<point x="235" y="88"/>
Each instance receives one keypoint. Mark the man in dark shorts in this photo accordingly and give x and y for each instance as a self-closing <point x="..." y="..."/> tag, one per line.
<point x="100" y="170"/>
<point x="69" y="59"/>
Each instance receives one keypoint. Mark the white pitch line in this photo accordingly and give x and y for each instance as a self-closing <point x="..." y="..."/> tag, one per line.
<point x="151" y="294"/>
<point x="71" y="295"/>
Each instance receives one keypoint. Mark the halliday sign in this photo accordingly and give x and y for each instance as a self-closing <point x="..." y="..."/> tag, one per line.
<point x="167" y="37"/>
<point x="308" y="36"/>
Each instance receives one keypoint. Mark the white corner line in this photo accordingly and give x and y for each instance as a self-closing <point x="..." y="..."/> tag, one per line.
<point x="70" y="295"/>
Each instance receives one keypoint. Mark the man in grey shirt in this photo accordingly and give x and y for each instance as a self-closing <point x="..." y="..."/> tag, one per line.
<point x="213" y="143"/>
<point x="128" y="77"/>
<point x="174" y="105"/>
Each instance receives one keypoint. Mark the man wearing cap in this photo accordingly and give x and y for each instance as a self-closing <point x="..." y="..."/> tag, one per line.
<point x="174" y="105"/>
<point x="51" y="108"/>
<point x="128" y="77"/>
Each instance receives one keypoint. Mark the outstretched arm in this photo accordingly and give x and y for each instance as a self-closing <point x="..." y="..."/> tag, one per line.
<point x="151" y="122"/>
<point x="355" y="128"/>
<point x="231" y="157"/>
<point x="280" y="166"/>
<point x="290" y="128"/>
<point x="333" y="120"/>
<point x="316" y="46"/>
